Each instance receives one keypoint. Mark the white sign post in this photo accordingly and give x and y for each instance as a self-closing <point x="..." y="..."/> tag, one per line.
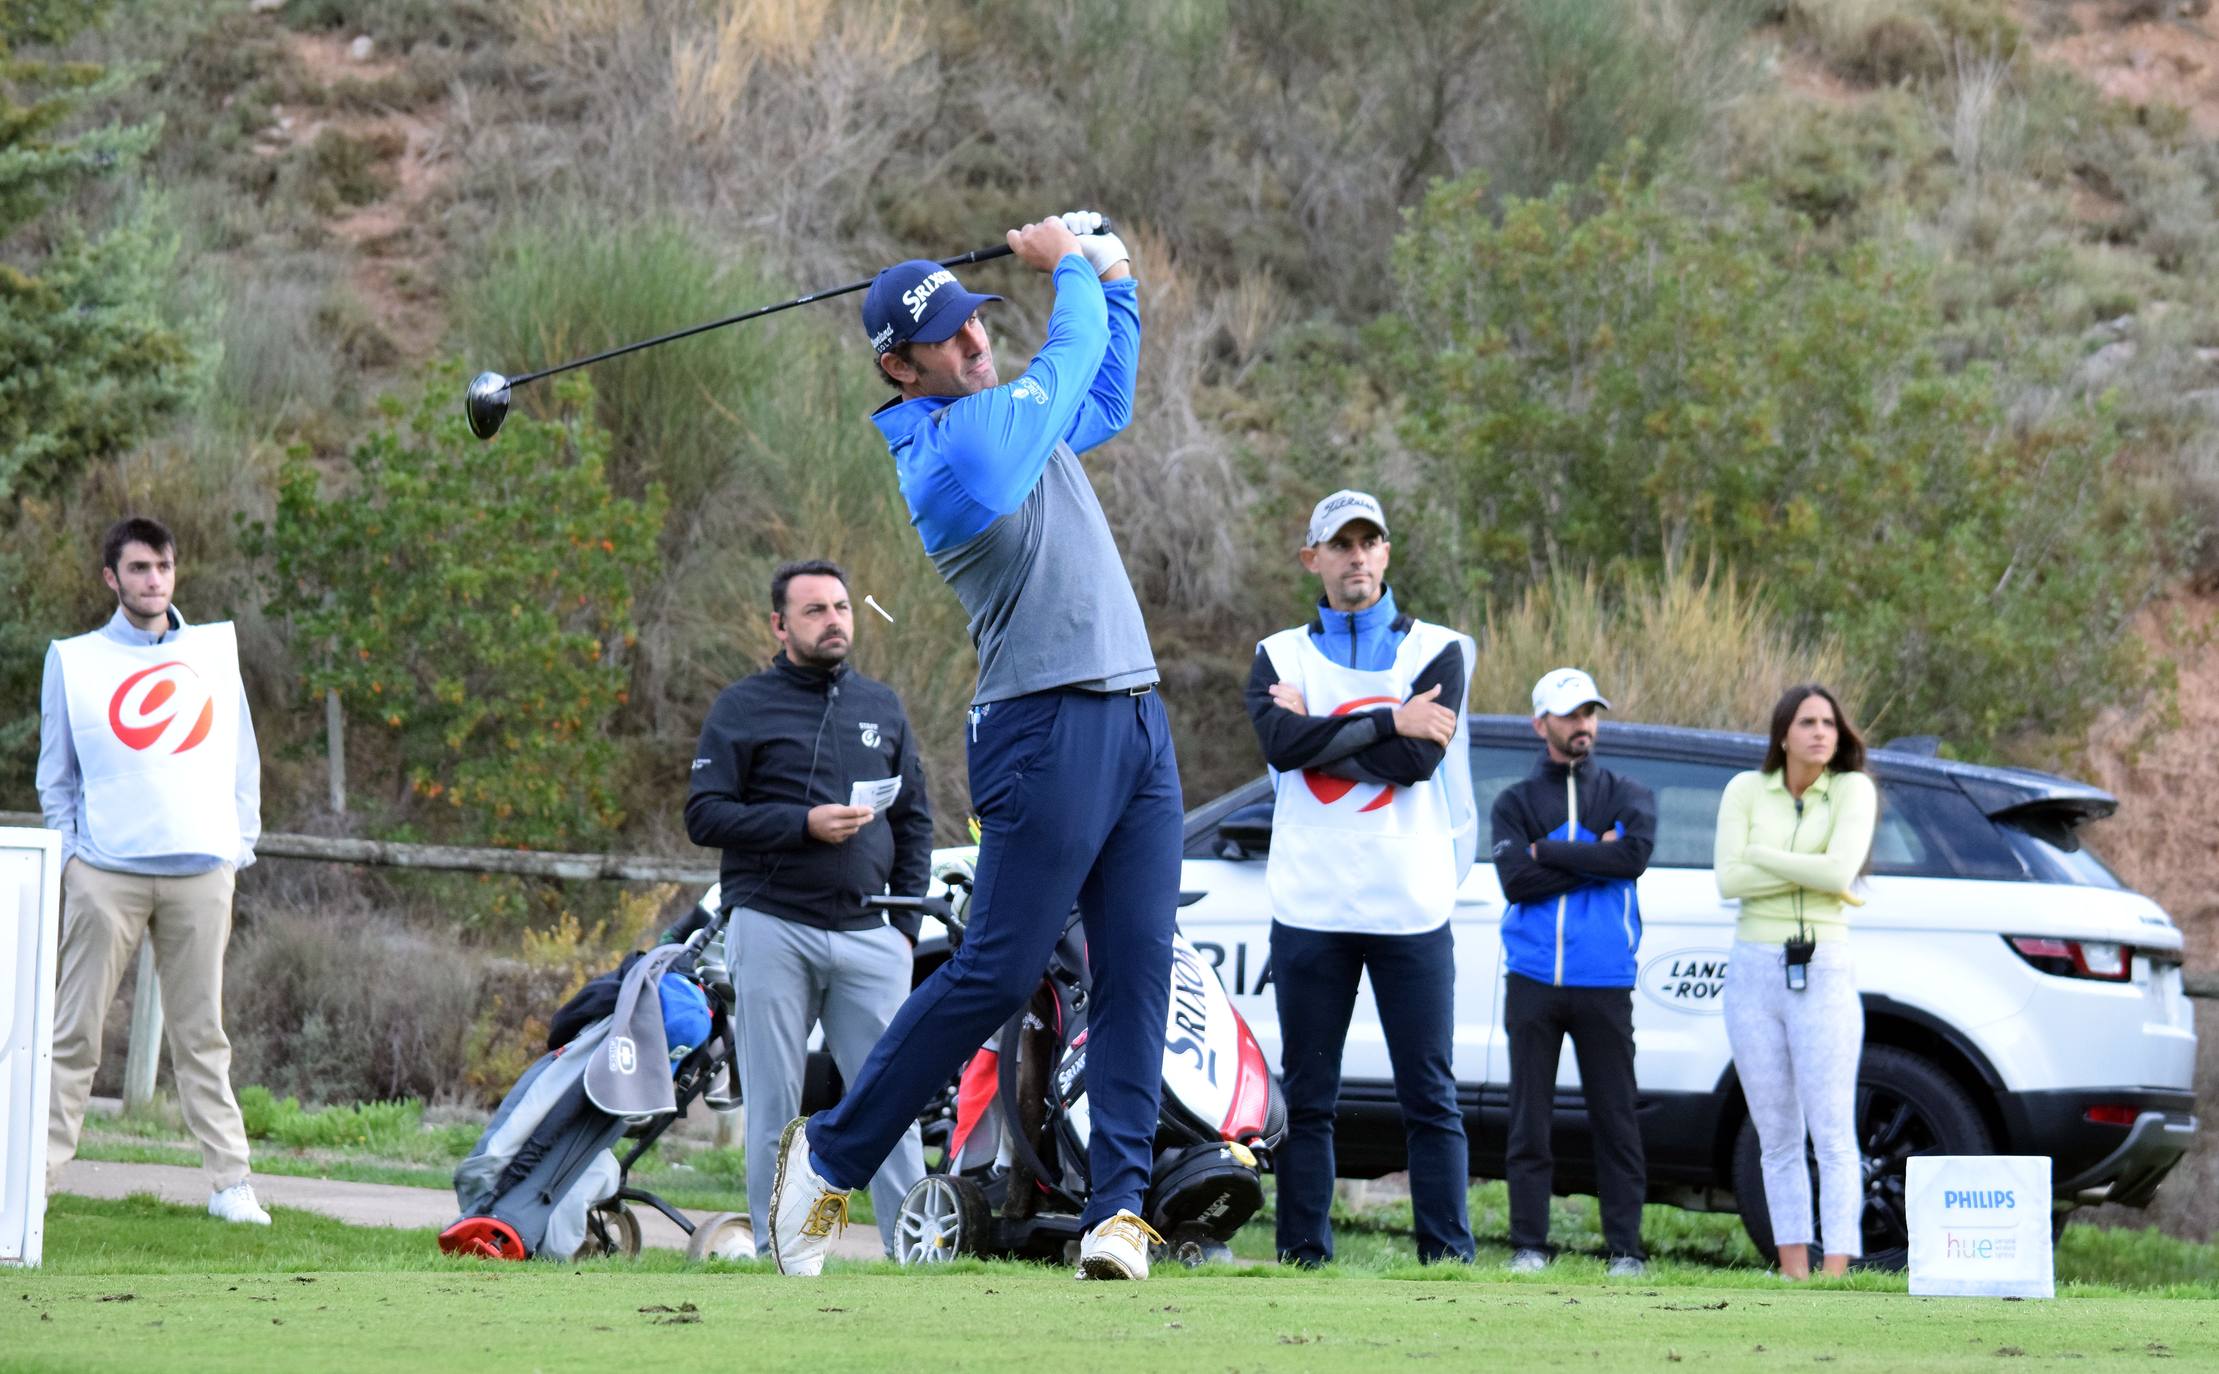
<point x="30" y="918"/>
<point x="1980" y="1226"/>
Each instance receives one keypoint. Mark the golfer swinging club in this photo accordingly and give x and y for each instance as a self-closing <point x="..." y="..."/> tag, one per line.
<point x="1071" y="769"/>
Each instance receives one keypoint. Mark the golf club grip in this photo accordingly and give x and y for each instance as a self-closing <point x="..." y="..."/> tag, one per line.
<point x="999" y="250"/>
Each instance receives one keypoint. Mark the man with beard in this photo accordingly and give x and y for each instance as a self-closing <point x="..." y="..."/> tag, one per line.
<point x="1570" y="839"/>
<point x="779" y="756"/>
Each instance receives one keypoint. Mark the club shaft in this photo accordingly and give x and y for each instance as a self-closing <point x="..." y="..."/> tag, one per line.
<point x="975" y="255"/>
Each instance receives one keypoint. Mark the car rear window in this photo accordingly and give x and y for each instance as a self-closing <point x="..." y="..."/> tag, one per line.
<point x="2053" y="852"/>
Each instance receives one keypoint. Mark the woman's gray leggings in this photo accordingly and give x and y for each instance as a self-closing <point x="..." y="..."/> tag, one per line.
<point x="1796" y="1054"/>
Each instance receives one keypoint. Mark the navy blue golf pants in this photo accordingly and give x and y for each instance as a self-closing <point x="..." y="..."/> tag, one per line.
<point x="1413" y="979"/>
<point x="1077" y="795"/>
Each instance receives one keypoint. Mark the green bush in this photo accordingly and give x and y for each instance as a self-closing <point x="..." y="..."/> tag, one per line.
<point x="1641" y="385"/>
<point x="472" y="602"/>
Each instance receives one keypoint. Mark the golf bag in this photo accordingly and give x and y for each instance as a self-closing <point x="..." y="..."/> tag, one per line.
<point x="543" y="1179"/>
<point x="1015" y="1180"/>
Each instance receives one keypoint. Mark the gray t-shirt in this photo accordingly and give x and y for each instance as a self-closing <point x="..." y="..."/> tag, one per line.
<point x="1049" y="601"/>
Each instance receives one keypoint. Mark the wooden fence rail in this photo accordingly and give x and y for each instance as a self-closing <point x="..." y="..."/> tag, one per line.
<point x="531" y="863"/>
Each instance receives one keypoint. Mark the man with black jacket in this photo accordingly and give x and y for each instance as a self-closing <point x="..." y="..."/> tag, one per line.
<point x="1361" y="717"/>
<point x="1570" y="839"/>
<point x="772" y="780"/>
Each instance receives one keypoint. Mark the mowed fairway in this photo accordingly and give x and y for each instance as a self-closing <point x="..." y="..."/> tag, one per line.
<point x="140" y="1285"/>
<point x="1011" y="1318"/>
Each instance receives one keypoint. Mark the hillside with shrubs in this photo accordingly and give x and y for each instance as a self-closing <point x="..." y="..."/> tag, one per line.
<point x="1713" y="345"/>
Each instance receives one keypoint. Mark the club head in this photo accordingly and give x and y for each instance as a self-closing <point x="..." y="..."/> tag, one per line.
<point x="486" y="403"/>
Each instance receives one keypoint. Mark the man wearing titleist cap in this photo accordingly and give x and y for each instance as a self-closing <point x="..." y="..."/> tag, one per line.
<point x="1570" y="839"/>
<point x="1071" y="769"/>
<point x="1361" y="717"/>
<point x="148" y="769"/>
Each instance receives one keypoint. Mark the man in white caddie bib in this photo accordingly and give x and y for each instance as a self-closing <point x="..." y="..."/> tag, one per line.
<point x="148" y="769"/>
<point x="1361" y="717"/>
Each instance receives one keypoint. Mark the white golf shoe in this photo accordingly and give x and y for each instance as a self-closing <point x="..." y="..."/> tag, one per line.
<point x="805" y="1211"/>
<point x="237" y="1204"/>
<point x="1117" y="1249"/>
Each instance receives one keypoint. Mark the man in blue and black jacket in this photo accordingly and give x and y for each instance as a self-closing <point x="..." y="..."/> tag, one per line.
<point x="1569" y="841"/>
<point x="1071" y="769"/>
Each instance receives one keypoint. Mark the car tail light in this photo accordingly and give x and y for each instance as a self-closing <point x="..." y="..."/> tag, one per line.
<point x="2106" y="961"/>
<point x="2111" y="1114"/>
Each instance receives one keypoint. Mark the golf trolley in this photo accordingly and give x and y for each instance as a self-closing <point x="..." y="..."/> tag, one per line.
<point x="544" y="1179"/>
<point x="1015" y="1180"/>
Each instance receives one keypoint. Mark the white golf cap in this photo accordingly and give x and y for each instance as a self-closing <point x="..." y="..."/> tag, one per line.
<point x="1340" y="508"/>
<point x="1562" y="691"/>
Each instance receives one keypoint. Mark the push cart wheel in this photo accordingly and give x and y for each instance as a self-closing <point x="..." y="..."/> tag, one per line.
<point x="724" y="1236"/>
<point x="611" y="1229"/>
<point x="943" y="1217"/>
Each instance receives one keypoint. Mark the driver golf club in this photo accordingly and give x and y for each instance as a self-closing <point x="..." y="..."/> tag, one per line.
<point x="486" y="403"/>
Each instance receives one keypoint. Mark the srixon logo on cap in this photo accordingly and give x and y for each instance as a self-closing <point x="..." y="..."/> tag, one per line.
<point x="920" y="295"/>
<point x="166" y="705"/>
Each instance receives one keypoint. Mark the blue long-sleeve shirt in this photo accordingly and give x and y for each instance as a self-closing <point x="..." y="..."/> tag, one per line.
<point x="61" y="784"/>
<point x="1004" y="507"/>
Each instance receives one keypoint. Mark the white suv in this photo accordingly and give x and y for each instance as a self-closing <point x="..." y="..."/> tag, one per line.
<point x="2018" y="999"/>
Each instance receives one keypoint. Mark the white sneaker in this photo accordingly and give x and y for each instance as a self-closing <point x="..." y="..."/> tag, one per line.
<point x="1627" y="1267"/>
<point x="1529" y="1261"/>
<point x="1117" y="1249"/>
<point x="805" y="1211"/>
<point x="236" y="1203"/>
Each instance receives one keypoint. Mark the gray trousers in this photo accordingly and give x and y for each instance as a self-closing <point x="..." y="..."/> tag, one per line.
<point x="789" y="977"/>
<point x="1796" y="1054"/>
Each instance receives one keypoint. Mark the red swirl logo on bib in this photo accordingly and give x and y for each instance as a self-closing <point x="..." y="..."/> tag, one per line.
<point x="1329" y="789"/>
<point x="159" y="704"/>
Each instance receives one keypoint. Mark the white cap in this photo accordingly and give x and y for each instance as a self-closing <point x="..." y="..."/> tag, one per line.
<point x="1340" y="508"/>
<point x="1562" y="691"/>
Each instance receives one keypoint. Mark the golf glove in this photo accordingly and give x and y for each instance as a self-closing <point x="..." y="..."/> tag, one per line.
<point x="1103" y="251"/>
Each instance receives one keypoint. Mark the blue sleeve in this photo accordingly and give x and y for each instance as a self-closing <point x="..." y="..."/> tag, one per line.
<point x="997" y="443"/>
<point x="1109" y="402"/>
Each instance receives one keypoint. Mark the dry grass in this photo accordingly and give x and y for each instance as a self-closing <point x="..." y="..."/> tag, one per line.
<point x="1688" y="649"/>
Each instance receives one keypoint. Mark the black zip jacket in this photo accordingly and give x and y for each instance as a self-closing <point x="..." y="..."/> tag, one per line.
<point x="1529" y="810"/>
<point x="785" y="740"/>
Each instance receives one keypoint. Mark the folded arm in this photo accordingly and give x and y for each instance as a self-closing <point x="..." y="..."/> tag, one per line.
<point x="1402" y="760"/>
<point x="1291" y="741"/>
<point x="1523" y="879"/>
<point x="1856" y="809"/>
<point x="1736" y="876"/>
<point x="1627" y="856"/>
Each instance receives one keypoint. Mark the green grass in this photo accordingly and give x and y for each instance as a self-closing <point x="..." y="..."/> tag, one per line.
<point x="181" y="1293"/>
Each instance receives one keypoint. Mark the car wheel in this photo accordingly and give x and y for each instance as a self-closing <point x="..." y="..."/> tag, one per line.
<point x="1905" y="1106"/>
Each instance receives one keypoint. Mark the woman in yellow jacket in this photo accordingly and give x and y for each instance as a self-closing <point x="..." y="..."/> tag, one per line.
<point x="1792" y="837"/>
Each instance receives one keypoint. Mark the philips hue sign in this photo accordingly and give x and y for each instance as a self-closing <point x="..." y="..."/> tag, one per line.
<point x="1980" y="1225"/>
